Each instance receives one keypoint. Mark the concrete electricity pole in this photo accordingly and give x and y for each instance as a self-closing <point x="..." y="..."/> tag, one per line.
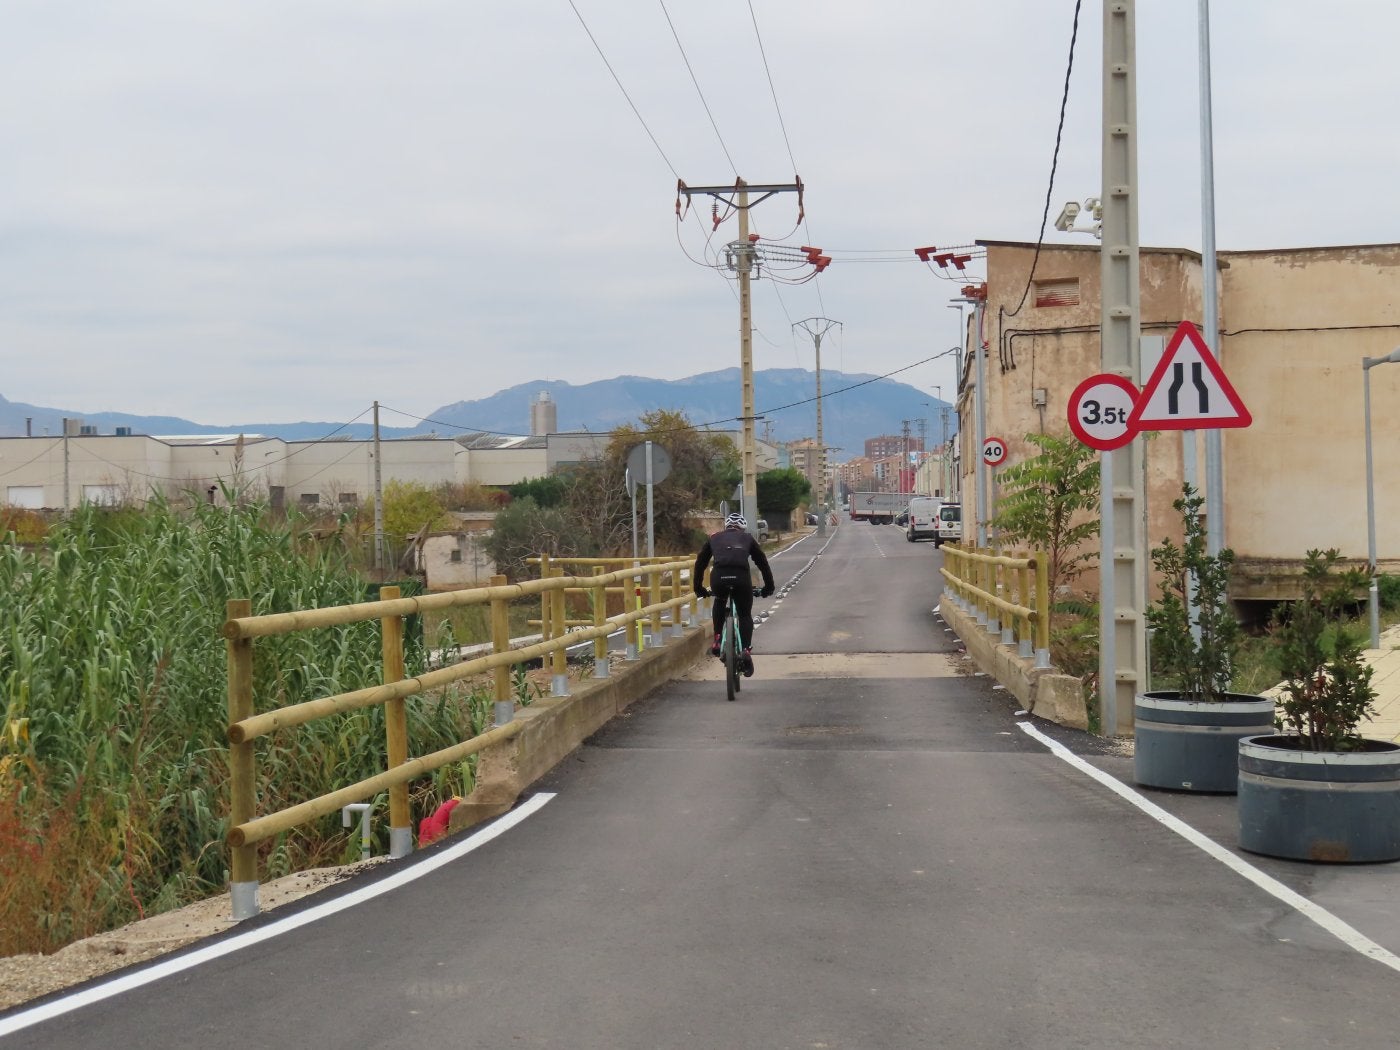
<point x="378" y="503"/>
<point x="816" y="327"/>
<point x="737" y="197"/>
<point x="1123" y="547"/>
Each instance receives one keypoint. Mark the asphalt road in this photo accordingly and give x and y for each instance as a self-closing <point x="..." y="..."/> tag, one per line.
<point x="864" y="851"/>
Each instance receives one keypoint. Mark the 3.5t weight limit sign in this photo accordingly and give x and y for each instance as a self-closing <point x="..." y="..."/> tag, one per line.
<point x="1099" y="409"/>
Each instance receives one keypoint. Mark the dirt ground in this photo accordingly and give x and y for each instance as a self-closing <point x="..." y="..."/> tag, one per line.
<point x="25" y="977"/>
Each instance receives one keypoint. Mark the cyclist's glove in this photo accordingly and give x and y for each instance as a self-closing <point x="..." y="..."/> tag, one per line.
<point x="767" y="592"/>
<point x="700" y="592"/>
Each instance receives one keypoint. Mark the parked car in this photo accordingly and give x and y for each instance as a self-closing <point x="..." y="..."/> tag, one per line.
<point x="811" y="518"/>
<point x="760" y="529"/>
<point x="923" y="518"/>
<point x="902" y="518"/>
<point x="949" y="524"/>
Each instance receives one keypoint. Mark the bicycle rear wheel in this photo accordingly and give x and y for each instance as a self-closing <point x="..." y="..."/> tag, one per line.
<point x="730" y="650"/>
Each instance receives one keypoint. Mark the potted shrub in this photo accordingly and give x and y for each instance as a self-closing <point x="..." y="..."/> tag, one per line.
<point x="1317" y="789"/>
<point x="1186" y="736"/>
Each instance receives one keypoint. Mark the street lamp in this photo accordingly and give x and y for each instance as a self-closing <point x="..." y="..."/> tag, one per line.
<point x="1368" y="363"/>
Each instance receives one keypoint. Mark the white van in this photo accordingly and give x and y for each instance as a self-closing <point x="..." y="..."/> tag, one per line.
<point x="949" y="524"/>
<point x="923" y="519"/>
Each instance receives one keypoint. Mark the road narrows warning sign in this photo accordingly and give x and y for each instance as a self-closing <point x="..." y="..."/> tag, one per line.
<point x="1188" y="390"/>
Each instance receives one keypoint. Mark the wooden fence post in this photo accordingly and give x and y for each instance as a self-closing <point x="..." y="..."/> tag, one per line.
<point x="546" y="602"/>
<point x="1042" y="610"/>
<point x="396" y="730"/>
<point x="601" y="668"/>
<point x="559" y="662"/>
<point x="500" y="642"/>
<point x="657" y="637"/>
<point x="243" y="860"/>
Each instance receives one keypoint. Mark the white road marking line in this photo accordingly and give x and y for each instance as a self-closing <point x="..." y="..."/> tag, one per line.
<point x="1347" y="934"/>
<point x="229" y="945"/>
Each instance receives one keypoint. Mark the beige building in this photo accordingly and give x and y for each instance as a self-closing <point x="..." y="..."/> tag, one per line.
<point x="1295" y="325"/>
<point x="61" y="472"/>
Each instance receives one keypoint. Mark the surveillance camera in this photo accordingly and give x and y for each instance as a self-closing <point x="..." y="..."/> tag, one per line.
<point x="1067" y="217"/>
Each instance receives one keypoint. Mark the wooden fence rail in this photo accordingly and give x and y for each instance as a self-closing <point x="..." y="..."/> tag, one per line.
<point x="982" y="582"/>
<point x="241" y="629"/>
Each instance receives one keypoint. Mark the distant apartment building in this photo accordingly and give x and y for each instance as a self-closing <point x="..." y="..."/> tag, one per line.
<point x="892" y="445"/>
<point x="804" y="457"/>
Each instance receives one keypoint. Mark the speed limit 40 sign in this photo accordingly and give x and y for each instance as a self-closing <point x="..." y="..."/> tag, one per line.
<point x="1099" y="409"/>
<point x="993" y="451"/>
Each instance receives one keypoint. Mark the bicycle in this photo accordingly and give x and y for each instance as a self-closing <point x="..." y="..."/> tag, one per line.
<point x="731" y="647"/>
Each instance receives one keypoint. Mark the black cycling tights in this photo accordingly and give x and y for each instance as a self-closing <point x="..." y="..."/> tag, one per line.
<point x="743" y="602"/>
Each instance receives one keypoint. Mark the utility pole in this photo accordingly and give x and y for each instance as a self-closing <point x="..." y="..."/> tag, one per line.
<point x="816" y="327"/>
<point x="378" y="502"/>
<point x="1122" y="537"/>
<point x="737" y="196"/>
<point x="67" y="506"/>
<point x="904" y="455"/>
<point x="1210" y="298"/>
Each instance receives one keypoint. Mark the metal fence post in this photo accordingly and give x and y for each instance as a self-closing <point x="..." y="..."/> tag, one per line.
<point x="504" y="704"/>
<point x="243" y="860"/>
<point x="396" y="730"/>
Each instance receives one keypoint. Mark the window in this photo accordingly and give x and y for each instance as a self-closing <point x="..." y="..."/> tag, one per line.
<point x="455" y="554"/>
<point x="30" y="497"/>
<point x="1063" y="292"/>
<point x="310" y="499"/>
<point x="350" y="498"/>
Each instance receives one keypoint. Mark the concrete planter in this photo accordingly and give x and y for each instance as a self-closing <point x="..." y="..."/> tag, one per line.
<point x="1330" y="806"/>
<point x="1192" y="745"/>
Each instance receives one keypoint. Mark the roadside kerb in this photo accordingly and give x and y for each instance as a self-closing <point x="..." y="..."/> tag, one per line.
<point x="1041" y="690"/>
<point x="551" y="728"/>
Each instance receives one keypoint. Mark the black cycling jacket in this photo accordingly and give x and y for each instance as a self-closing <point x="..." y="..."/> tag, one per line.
<point x="731" y="550"/>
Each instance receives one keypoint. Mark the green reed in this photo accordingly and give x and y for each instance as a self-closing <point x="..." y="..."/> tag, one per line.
<point x="115" y="797"/>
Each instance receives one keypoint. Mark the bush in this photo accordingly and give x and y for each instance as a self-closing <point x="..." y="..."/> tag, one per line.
<point x="1388" y="589"/>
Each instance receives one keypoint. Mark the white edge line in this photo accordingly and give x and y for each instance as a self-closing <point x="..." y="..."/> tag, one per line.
<point x="1347" y="934"/>
<point x="228" y="946"/>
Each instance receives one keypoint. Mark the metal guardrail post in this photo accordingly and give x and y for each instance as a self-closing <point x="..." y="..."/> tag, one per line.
<point x="1042" y="610"/>
<point x="395" y="731"/>
<point x="503" y="707"/>
<point x="601" y="669"/>
<point x="243" y="860"/>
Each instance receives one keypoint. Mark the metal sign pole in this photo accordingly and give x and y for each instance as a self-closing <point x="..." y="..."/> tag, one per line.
<point x="651" y="520"/>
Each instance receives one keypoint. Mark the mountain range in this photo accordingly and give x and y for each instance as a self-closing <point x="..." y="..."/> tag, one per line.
<point x="854" y="407"/>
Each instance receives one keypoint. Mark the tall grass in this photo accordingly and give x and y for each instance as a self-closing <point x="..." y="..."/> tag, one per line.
<point x="113" y="801"/>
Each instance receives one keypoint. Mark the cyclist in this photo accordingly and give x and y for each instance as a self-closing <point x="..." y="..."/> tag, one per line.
<point x="731" y="548"/>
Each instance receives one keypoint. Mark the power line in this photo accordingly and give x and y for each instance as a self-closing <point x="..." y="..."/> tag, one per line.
<point x="686" y="58"/>
<point x="625" y="95"/>
<point x="769" y="74"/>
<point x="1054" y="163"/>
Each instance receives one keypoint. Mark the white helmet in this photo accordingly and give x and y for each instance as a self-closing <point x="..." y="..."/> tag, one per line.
<point x="735" y="521"/>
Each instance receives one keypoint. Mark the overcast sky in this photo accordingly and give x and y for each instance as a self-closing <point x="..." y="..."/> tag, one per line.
<point x="272" y="211"/>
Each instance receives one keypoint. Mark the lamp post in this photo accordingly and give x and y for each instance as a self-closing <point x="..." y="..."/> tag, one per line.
<point x="1368" y="363"/>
